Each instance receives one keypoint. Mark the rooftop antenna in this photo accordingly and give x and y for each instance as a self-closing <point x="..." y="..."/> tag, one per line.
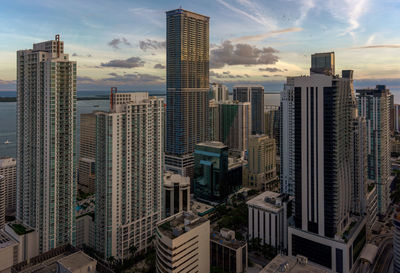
<point x="58" y="44"/>
<point x="112" y="92"/>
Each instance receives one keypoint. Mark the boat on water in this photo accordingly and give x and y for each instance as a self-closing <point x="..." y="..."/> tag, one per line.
<point x="7" y="142"/>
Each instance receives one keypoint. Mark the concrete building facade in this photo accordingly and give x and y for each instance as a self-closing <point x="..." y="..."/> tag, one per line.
<point x="46" y="127"/>
<point x="87" y="153"/>
<point x="176" y="194"/>
<point x="129" y="173"/>
<point x="9" y="171"/>
<point x="183" y="244"/>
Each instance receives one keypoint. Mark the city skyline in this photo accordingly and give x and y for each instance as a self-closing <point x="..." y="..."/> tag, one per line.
<point x="250" y="41"/>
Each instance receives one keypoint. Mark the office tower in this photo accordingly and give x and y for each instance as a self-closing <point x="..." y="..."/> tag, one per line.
<point x="187" y="88"/>
<point x="228" y="253"/>
<point x="232" y="124"/>
<point x="396" y="118"/>
<point x="2" y="201"/>
<point x="360" y="165"/>
<point x="8" y="170"/>
<point x="46" y="120"/>
<point x="176" y="194"/>
<point x="374" y="106"/>
<point x="210" y="171"/>
<point x="269" y="214"/>
<point x="396" y="242"/>
<point x="260" y="173"/>
<point x="324" y="111"/>
<point x="183" y="244"/>
<point x="219" y="92"/>
<point x="87" y="153"/>
<point x="255" y="95"/>
<point x="129" y="173"/>
<point x="287" y="138"/>
<point x="214" y="120"/>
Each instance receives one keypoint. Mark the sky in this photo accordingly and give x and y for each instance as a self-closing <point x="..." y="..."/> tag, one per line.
<point x="122" y="42"/>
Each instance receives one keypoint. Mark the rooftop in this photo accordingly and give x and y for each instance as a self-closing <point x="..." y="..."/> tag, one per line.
<point x="230" y="242"/>
<point x="171" y="178"/>
<point x="76" y="261"/>
<point x="179" y="224"/>
<point x="200" y="208"/>
<point x="287" y="264"/>
<point x="19" y="228"/>
<point x="268" y="200"/>
<point x="215" y="144"/>
<point x="6" y="240"/>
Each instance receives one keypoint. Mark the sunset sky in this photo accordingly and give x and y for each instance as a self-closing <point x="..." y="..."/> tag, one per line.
<point x="122" y="42"/>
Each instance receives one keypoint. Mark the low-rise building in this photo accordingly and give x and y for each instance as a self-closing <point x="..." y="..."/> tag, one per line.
<point x="183" y="244"/>
<point x="27" y="238"/>
<point x="176" y="194"/>
<point x="269" y="214"/>
<point x="227" y="253"/>
<point x="85" y="226"/>
<point x="63" y="259"/>
<point x="8" y="251"/>
<point x="299" y="264"/>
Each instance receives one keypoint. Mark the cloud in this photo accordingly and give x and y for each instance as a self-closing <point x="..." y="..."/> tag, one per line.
<point x="376" y="46"/>
<point x="265" y="76"/>
<point x="253" y="12"/>
<point x="271" y="69"/>
<point x="306" y="6"/>
<point x="227" y="75"/>
<point x="264" y="36"/>
<point x="128" y="63"/>
<point x="125" y="80"/>
<point x="77" y="55"/>
<point x="151" y="44"/>
<point x="350" y="11"/>
<point x="159" y="66"/>
<point x="241" y="54"/>
<point x="74" y="54"/>
<point x="116" y="42"/>
<point x="6" y="85"/>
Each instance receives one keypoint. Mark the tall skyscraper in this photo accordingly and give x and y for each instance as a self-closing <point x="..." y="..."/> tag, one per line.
<point x="87" y="153"/>
<point x="187" y="87"/>
<point x="46" y="120"/>
<point x="374" y="106"/>
<point x="322" y="120"/>
<point x="129" y="170"/>
<point x="255" y="95"/>
<point x="232" y="124"/>
<point x="287" y="138"/>
<point x="8" y="170"/>
<point x="2" y="201"/>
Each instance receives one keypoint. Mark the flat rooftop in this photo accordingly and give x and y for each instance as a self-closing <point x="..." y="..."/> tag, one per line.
<point x="179" y="224"/>
<point x="218" y="238"/>
<point x="266" y="201"/>
<point x="215" y="144"/>
<point x="76" y="261"/>
<point x="291" y="265"/>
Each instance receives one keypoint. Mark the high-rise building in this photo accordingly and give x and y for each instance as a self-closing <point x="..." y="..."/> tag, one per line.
<point x="2" y="201"/>
<point x="287" y="139"/>
<point x="219" y="92"/>
<point x="255" y="95"/>
<point x="187" y="88"/>
<point x="374" y="106"/>
<point x="87" y="153"/>
<point x="46" y="120"/>
<point x="8" y="170"/>
<point x="183" y="244"/>
<point x="396" y="118"/>
<point x="232" y="124"/>
<point x="176" y="194"/>
<point x="323" y="116"/>
<point x="260" y="173"/>
<point x="129" y="173"/>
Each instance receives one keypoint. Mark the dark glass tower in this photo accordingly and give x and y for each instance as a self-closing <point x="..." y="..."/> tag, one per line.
<point x="187" y="86"/>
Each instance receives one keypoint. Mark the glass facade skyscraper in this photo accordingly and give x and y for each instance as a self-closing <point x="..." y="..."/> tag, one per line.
<point x="187" y="87"/>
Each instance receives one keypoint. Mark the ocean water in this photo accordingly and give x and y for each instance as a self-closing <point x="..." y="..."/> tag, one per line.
<point x="8" y="117"/>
